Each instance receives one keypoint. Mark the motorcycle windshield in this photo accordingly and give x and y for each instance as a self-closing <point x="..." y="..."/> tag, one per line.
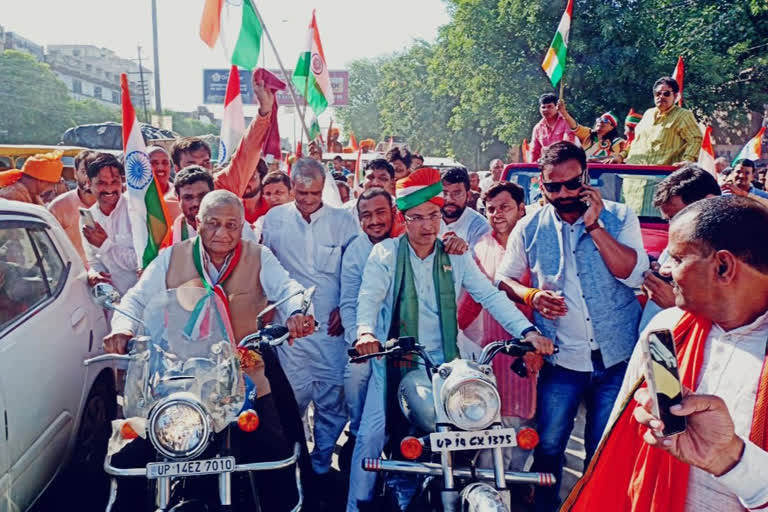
<point x="188" y="349"/>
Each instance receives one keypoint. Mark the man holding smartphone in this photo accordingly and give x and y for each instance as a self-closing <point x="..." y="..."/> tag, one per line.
<point x="685" y="186"/>
<point x="719" y="264"/>
<point x="584" y="256"/>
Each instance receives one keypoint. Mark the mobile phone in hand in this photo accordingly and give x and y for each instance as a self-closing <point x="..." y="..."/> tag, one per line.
<point x="87" y="218"/>
<point x="663" y="278"/>
<point x="663" y="378"/>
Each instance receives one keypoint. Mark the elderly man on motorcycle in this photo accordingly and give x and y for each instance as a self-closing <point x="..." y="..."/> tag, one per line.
<point x="410" y="286"/>
<point x="246" y="276"/>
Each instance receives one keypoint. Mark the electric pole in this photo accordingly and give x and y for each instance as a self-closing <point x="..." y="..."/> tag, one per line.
<point x="143" y="88"/>
<point x="158" y="103"/>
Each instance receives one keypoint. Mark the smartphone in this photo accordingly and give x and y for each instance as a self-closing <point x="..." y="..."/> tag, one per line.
<point x="87" y="218"/>
<point x="663" y="378"/>
<point x="667" y="279"/>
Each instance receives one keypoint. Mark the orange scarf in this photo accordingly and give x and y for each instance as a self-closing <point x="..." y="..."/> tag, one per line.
<point x="626" y="473"/>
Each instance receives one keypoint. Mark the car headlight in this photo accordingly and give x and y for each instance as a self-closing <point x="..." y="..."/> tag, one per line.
<point x="179" y="428"/>
<point x="471" y="404"/>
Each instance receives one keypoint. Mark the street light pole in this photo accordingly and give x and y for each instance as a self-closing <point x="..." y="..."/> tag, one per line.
<point x="143" y="88"/>
<point x="158" y="102"/>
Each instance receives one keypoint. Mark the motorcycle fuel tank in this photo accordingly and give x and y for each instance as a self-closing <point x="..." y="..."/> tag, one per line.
<point x="416" y="400"/>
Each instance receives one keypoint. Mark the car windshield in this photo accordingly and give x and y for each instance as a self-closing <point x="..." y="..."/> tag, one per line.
<point x="635" y="190"/>
<point x="187" y="348"/>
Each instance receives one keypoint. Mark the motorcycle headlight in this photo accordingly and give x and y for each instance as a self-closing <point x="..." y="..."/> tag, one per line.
<point x="179" y="428"/>
<point x="471" y="404"/>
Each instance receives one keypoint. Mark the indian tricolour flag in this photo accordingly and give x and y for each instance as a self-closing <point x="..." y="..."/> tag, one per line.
<point x="148" y="215"/>
<point x="232" y="122"/>
<point x="237" y="26"/>
<point x="753" y="149"/>
<point x="554" y="62"/>
<point x="707" y="152"/>
<point x="311" y="76"/>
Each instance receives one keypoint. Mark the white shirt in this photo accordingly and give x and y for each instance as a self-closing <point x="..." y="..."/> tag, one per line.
<point x="575" y="335"/>
<point x="311" y="252"/>
<point x="486" y="183"/>
<point x="376" y="298"/>
<point x="731" y="369"/>
<point x="275" y="282"/>
<point x="351" y="208"/>
<point x="470" y="227"/>
<point x="352" y="267"/>
<point x="117" y="254"/>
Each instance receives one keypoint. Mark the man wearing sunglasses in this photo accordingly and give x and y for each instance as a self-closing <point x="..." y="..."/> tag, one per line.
<point x="667" y="134"/>
<point x="584" y="256"/>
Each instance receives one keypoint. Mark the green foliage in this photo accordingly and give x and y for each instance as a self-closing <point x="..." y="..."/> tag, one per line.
<point x="188" y="127"/>
<point x="91" y="111"/>
<point x="474" y="92"/>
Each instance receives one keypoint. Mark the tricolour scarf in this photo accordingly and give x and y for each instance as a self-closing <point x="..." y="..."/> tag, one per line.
<point x="629" y="475"/>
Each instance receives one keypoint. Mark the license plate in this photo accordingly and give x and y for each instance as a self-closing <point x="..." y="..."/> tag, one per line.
<point x="454" y="441"/>
<point x="191" y="467"/>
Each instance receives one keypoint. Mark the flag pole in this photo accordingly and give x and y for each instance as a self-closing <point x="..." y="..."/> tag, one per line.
<point x="562" y="85"/>
<point x="279" y="63"/>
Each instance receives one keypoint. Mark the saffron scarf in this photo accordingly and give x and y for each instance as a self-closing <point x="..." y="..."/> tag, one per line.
<point x="629" y="475"/>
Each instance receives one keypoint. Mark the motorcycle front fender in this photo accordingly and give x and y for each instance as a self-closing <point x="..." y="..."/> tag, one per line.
<point x="479" y="496"/>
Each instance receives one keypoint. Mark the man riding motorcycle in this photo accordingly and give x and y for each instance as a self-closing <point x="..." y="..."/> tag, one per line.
<point x="245" y="276"/>
<point x="409" y="288"/>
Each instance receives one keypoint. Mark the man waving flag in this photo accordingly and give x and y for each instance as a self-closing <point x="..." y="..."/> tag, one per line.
<point x="147" y="212"/>
<point x="311" y="76"/>
<point x="554" y="62"/>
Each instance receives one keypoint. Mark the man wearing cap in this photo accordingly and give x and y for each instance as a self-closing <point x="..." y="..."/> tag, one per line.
<point x="409" y="288"/>
<point x="160" y="161"/>
<point x="602" y="141"/>
<point x="38" y="176"/>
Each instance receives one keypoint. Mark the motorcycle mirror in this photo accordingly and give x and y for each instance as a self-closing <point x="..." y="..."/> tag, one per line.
<point x="105" y="295"/>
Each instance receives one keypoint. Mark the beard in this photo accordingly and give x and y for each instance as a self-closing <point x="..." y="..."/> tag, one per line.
<point x="250" y="194"/>
<point x="569" y="205"/>
<point x="454" y="213"/>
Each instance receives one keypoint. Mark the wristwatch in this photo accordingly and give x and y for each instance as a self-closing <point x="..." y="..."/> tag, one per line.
<point x="593" y="226"/>
<point x="530" y="329"/>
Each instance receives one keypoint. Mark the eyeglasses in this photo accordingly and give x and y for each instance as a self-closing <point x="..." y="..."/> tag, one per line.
<point x="418" y="219"/>
<point x="666" y="94"/>
<point x="572" y="184"/>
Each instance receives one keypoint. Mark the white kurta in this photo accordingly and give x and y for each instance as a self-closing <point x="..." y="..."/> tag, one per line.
<point x="117" y="254"/>
<point x="470" y="227"/>
<point x="731" y="370"/>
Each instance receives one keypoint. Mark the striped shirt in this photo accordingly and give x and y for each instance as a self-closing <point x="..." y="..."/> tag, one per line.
<point x="665" y="138"/>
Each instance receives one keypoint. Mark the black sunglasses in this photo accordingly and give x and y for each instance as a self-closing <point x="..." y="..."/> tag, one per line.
<point x="666" y="94"/>
<point x="572" y="184"/>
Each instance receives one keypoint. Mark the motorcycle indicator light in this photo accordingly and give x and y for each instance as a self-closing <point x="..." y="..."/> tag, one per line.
<point x="527" y="439"/>
<point x="411" y="448"/>
<point x="127" y="432"/>
<point x="248" y="421"/>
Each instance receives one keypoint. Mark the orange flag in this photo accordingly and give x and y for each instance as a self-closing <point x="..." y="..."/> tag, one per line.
<point x="353" y="141"/>
<point x="210" y="23"/>
<point x="678" y="75"/>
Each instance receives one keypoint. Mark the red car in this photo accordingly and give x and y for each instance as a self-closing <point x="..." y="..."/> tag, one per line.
<point x="629" y="184"/>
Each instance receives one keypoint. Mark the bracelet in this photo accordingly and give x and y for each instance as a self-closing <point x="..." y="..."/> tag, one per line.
<point x="592" y="227"/>
<point x="529" y="295"/>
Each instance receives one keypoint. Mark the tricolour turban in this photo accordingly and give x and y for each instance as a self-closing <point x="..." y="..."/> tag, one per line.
<point x="418" y="188"/>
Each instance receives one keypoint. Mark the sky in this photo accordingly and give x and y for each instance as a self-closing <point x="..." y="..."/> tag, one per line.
<point x="350" y="30"/>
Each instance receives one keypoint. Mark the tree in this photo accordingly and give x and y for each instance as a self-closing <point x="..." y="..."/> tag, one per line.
<point x="190" y="127"/>
<point x="361" y="116"/>
<point x="34" y="103"/>
<point x="91" y="111"/>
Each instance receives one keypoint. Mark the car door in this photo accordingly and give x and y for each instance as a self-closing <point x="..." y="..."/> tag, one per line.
<point x="5" y="478"/>
<point x="43" y="321"/>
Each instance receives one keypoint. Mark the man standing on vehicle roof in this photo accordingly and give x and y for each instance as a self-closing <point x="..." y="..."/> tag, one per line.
<point x="251" y="277"/>
<point x="409" y="288"/>
<point x="667" y="134"/>
<point x="584" y="255"/>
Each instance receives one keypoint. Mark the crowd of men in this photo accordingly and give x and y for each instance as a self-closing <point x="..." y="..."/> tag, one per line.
<point x="458" y="262"/>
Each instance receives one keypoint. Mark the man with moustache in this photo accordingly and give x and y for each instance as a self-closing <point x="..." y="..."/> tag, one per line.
<point x="160" y="161"/>
<point x="108" y="244"/>
<point x="374" y="209"/>
<point x="378" y="174"/>
<point x="66" y="207"/>
<point x="667" y="134"/>
<point x="192" y="184"/>
<point x="496" y="167"/>
<point x="458" y="219"/>
<point x="584" y="255"/>
<point x="35" y="181"/>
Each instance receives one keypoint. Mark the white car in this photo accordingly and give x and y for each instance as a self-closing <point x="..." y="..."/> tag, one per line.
<point x="53" y="409"/>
